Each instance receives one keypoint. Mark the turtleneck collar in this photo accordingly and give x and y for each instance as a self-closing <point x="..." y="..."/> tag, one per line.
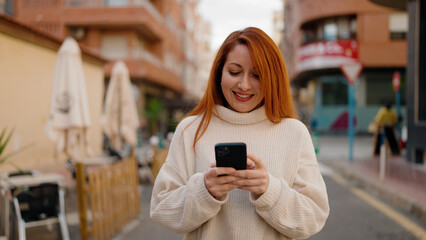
<point x="234" y="117"/>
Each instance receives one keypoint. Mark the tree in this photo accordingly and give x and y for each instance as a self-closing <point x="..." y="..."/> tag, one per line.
<point x="155" y="112"/>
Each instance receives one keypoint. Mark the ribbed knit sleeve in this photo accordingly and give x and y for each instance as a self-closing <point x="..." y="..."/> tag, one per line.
<point x="180" y="201"/>
<point x="300" y="210"/>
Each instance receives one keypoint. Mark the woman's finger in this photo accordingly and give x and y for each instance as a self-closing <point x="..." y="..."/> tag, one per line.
<point x="249" y="181"/>
<point x="218" y="171"/>
<point x="250" y="164"/>
<point x="218" y="181"/>
<point x="257" y="161"/>
<point x="250" y="173"/>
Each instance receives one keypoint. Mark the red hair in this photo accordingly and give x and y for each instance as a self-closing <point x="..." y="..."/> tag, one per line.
<point x="270" y="66"/>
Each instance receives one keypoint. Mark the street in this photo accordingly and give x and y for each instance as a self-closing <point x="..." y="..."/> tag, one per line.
<point x="354" y="213"/>
<point x="353" y="218"/>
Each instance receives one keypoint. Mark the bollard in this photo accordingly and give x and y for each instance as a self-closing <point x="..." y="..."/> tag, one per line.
<point x="315" y="135"/>
<point x="315" y="140"/>
<point x="382" y="157"/>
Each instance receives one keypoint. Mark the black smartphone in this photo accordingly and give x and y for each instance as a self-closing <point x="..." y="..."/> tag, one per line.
<point x="231" y="155"/>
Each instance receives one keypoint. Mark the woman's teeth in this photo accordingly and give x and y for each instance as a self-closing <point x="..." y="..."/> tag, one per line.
<point x="242" y="95"/>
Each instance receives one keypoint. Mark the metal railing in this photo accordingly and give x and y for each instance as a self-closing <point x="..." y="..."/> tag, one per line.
<point x="114" y="4"/>
<point x="131" y="54"/>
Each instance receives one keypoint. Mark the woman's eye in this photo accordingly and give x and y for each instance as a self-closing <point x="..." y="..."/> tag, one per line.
<point x="233" y="73"/>
<point x="256" y="76"/>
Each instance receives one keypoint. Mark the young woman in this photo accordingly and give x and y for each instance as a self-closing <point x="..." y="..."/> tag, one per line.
<point x="281" y="195"/>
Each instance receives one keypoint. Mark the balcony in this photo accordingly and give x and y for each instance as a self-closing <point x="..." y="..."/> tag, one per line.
<point x="398" y="4"/>
<point x="140" y="15"/>
<point x="146" y="66"/>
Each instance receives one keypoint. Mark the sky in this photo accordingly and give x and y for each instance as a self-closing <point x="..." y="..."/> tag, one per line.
<point x="226" y="16"/>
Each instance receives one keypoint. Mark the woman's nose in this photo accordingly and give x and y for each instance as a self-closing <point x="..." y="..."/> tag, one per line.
<point x="244" y="83"/>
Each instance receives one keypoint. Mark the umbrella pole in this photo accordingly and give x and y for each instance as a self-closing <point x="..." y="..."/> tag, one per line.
<point x="120" y="142"/>
<point x="67" y="154"/>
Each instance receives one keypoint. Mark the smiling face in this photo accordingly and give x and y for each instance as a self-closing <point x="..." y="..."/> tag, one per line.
<point x="240" y="81"/>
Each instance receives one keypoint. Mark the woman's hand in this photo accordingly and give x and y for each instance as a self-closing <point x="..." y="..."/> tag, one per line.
<point x="255" y="179"/>
<point x="218" y="185"/>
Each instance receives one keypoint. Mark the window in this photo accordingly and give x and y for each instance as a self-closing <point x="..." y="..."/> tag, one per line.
<point x="309" y="36"/>
<point x="398" y="25"/>
<point x="380" y="90"/>
<point x="114" y="47"/>
<point x="334" y="90"/>
<point x="344" y="28"/>
<point x="330" y="30"/>
<point x="116" y="3"/>
<point x="333" y="28"/>
<point x="6" y="7"/>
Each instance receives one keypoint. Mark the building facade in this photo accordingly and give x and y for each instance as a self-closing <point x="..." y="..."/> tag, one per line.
<point x="28" y="59"/>
<point x="416" y="76"/>
<point x="320" y="36"/>
<point x="157" y="40"/>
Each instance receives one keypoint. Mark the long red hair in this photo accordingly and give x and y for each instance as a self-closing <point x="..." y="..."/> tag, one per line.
<point x="269" y="63"/>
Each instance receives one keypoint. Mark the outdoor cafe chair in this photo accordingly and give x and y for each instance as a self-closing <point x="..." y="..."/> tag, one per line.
<point x="3" y="198"/>
<point x="39" y="205"/>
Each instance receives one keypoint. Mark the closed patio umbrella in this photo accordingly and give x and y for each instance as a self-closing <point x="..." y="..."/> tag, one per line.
<point x="120" y="118"/>
<point x="69" y="109"/>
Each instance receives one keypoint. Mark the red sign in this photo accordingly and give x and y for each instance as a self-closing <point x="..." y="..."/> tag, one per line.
<point x="396" y="81"/>
<point x="351" y="71"/>
<point x="327" y="54"/>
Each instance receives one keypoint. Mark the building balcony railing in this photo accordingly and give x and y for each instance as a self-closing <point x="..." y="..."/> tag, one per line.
<point x="37" y="4"/>
<point x="139" y="15"/>
<point x="170" y="63"/>
<point x="130" y="54"/>
<point x="114" y="4"/>
<point x="103" y="3"/>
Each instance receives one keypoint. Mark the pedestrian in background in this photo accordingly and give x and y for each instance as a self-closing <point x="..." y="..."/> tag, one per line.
<point x="385" y="121"/>
<point x="282" y="194"/>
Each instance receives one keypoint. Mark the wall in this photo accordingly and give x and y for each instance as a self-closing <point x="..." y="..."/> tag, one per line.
<point x="27" y="78"/>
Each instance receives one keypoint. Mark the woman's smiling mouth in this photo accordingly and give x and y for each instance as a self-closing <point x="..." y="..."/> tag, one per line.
<point x="242" y="97"/>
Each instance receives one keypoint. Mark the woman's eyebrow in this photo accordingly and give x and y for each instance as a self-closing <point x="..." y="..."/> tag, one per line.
<point x="232" y="63"/>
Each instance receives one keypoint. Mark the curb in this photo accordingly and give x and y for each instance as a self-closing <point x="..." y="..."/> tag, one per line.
<point x="395" y="198"/>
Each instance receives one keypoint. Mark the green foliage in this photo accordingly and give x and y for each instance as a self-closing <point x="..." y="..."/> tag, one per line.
<point x="155" y="109"/>
<point x="4" y="140"/>
<point x="155" y="112"/>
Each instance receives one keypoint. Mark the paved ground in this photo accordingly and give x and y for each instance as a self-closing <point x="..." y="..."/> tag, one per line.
<point x="403" y="187"/>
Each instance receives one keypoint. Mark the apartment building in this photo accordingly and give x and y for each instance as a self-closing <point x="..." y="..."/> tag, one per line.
<point x="157" y="39"/>
<point x="320" y="35"/>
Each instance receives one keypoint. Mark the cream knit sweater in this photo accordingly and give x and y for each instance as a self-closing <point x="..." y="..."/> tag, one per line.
<point x="295" y="205"/>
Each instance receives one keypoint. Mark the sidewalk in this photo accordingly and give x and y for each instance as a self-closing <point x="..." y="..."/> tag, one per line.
<point x="404" y="183"/>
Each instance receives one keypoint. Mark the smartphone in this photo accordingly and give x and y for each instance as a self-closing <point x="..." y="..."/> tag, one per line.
<point x="231" y="155"/>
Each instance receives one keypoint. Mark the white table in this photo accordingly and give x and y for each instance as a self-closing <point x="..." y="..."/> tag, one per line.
<point x="97" y="160"/>
<point x="32" y="180"/>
